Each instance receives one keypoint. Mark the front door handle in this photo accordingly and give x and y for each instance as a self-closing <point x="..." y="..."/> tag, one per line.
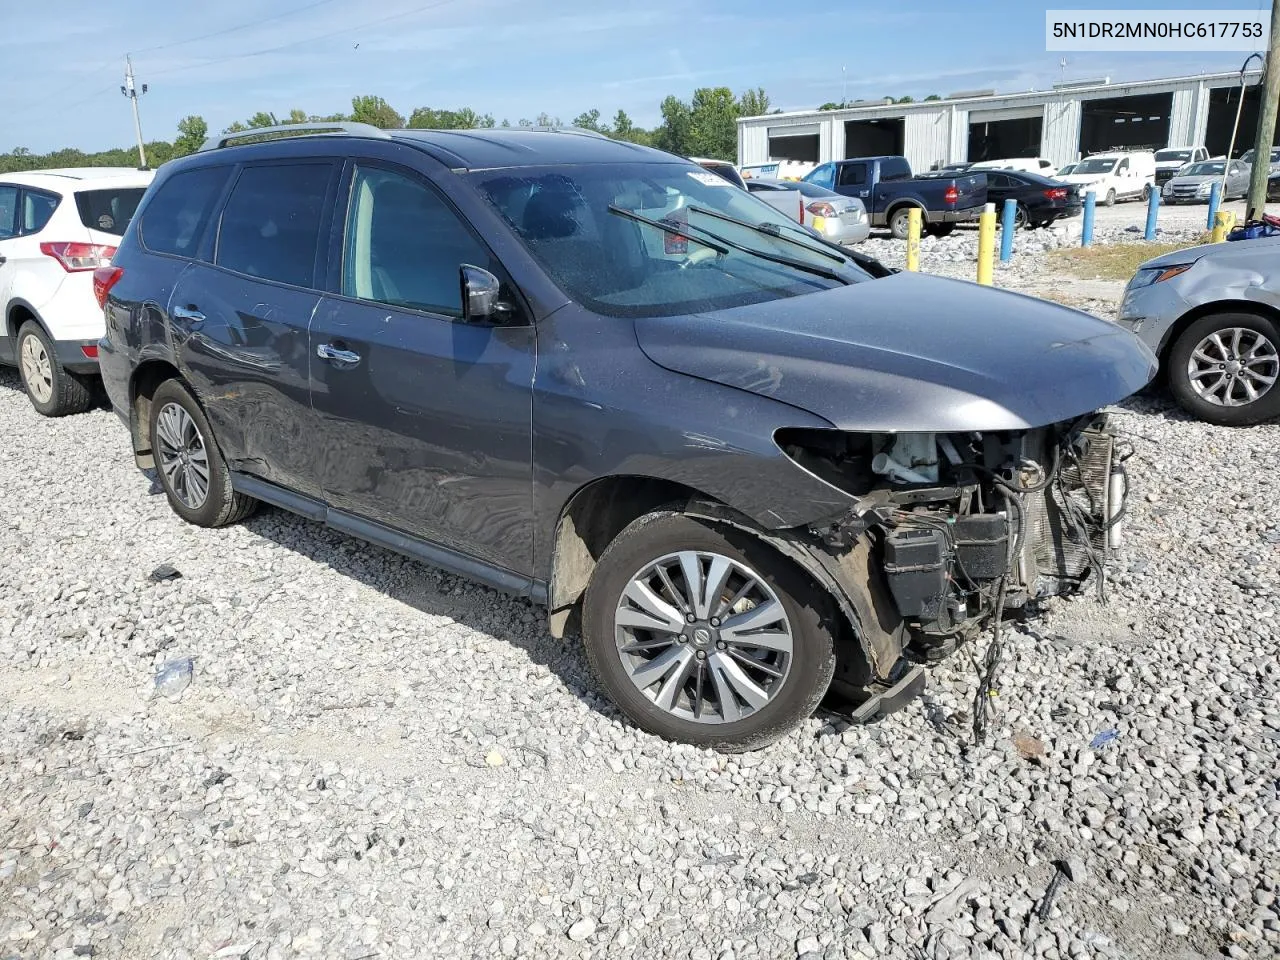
<point x="2" y="260"/>
<point x="190" y="314"/>
<point x="327" y="351"/>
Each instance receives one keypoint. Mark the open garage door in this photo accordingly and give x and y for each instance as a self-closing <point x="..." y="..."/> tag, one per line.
<point x="1223" y="103"/>
<point x="795" y="142"/>
<point x="874" y="138"/>
<point x="1000" y="139"/>
<point x="1125" y="123"/>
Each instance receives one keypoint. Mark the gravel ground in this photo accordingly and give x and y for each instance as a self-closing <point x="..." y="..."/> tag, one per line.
<point x="372" y="759"/>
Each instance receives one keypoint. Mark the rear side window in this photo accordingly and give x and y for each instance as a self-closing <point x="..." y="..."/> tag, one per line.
<point x="37" y="208"/>
<point x="8" y="211"/>
<point x="895" y="168"/>
<point x="853" y="174"/>
<point x="405" y="245"/>
<point x="108" y="211"/>
<point x="175" y="218"/>
<point x="271" y="223"/>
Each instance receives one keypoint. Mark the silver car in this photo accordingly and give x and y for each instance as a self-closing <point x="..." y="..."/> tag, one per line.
<point x="1211" y="313"/>
<point x="836" y="218"/>
<point x="1194" y="182"/>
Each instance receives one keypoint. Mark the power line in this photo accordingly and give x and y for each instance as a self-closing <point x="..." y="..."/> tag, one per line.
<point x="298" y="43"/>
<point x="235" y="29"/>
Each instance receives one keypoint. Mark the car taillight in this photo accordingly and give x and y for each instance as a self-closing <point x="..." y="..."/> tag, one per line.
<point x="952" y="194"/>
<point x="1057" y="193"/>
<point x="820" y="208"/>
<point x="104" y="278"/>
<point x="91" y="351"/>
<point x="75" y="257"/>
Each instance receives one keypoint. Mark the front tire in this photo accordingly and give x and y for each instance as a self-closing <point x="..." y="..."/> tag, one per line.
<point x="53" y="391"/>
<point x="899" y="223"/>
<point x="706" y="636"/>
<point x="1224" y="369"/>
<point x="192" y="471"/>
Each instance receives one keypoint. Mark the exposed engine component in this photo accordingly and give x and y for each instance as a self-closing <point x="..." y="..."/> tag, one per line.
<point x="910" y="458"/>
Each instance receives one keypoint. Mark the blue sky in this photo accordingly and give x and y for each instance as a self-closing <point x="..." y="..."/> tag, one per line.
<point x="515" y="58"/>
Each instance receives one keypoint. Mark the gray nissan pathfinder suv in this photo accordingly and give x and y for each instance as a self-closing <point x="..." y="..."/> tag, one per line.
<point x="747" y="466"/>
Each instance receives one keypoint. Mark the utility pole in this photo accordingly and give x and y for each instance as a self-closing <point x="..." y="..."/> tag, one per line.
<point x="1266" y="122"/>
<point x="131" y="91"/>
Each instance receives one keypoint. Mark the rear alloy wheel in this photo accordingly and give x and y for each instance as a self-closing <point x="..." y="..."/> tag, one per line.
<point x="1224" y="367"/>
<point x="191" y="468"/>
<point x="53" y="391"/>
<point x="1020" y="218"/>
<point x="1111" y="198"/>
<point x="701" y="636"/>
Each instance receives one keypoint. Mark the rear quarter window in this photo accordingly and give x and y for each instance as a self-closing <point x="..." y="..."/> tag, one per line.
<point x="108" y="211"/>
<point x="895" y="169"/>
<point x="175" y="218"/>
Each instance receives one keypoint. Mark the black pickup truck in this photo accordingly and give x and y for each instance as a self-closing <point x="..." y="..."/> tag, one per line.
<point x="889" y="190"/>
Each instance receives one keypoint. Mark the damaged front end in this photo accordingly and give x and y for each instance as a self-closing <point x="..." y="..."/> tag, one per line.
<point x="950" y="531"/>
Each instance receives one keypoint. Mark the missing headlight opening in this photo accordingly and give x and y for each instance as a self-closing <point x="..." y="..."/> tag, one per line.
<point x="963" y="527"/>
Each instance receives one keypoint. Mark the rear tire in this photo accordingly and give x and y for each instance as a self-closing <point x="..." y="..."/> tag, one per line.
<point x="1196" y="351"/>
<point x="942" y="229"/>
<point x="1111" y="198"/>
<point x="708" y="659"/>
<point x="53" y="391"/>
<point x="192" y="470"/>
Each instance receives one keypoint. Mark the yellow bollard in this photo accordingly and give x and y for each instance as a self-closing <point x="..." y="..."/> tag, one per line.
<point x="1221" y="225"/>
<point x="986" y="244"/>
<point x="913" y="239"/>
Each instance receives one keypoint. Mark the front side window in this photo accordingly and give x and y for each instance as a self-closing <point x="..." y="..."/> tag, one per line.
<point x="175" y="218"/>
<point x="652" y="239"/>
<point x="405" y="245"/>
<point x="37" y="208"/>
<point x="853" y="174"/>
<point x="271" y="223"/>
<point x="8" y="211"/>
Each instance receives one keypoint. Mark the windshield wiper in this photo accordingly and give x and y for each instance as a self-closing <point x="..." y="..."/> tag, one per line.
<point x="768" y="229"/>
<point x="813" y="268"/>
<point x="666" y="227"/>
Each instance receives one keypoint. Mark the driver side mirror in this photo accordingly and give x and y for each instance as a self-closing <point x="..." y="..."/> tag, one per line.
<point x="480" y="292"/>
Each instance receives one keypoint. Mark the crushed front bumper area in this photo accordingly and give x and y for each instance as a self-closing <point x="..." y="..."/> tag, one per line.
<point x="999" y="523"/>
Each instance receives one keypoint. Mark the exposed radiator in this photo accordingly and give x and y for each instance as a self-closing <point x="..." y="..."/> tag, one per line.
<point x="1062" y="554"/>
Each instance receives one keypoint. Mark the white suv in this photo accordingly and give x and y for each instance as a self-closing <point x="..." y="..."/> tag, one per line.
<point x="56" y="227"/>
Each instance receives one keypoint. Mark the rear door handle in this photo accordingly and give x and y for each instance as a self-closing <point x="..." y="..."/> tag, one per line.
<point x="190" y="314"/>
<point x="2" y="259"/>
<point x="327" y="351"/>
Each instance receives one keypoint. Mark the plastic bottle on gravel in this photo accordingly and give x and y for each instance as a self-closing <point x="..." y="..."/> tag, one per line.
<point x="174" y="677"/>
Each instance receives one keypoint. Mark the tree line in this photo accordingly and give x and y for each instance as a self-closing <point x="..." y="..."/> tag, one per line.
<point x="703" y="126"/>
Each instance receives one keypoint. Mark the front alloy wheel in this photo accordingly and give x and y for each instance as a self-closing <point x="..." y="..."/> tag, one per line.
<point x="703" y="637"/>
<point x="1224" y="368"/>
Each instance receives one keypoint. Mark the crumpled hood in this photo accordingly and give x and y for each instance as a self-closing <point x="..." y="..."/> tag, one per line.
<point x="910" y="353"/>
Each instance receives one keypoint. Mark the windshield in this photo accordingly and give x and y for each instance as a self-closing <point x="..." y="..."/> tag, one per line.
<point x="1203" y="170"/>
<point x="686" y="261"/>
<point x="1247" y="156"/>
<point x="1183" y="155"/>
<point x="1096" y="165"/>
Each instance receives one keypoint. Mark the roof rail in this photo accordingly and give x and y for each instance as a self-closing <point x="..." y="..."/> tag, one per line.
<point x="581" y="131"/>
<point x="335" y="126"/>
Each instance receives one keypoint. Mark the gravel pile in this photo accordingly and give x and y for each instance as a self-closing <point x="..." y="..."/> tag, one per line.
<point x="367" y="758"/>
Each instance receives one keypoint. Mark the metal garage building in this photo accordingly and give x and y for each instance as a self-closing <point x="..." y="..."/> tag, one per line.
<point x="1061" y="124"/>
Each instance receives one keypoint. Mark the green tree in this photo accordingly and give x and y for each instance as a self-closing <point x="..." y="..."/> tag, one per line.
<point x="753" y="103"/>
<point x="906" y="100"/>
<point x="375" y="110"/>
<point x="262" y="119"/>
<point x="831" y="105"/>
<point x="236" y="127"/>
<point x="932" y="96"/>
<point x="192" y="133"/>
<point x="675" y="135"/>
<point x="296" y="116"/>
<point x="713" y="128"/>
<point x="588" y="120"/>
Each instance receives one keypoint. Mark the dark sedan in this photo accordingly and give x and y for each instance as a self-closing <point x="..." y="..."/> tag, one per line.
<point x="1040" y="200"/>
